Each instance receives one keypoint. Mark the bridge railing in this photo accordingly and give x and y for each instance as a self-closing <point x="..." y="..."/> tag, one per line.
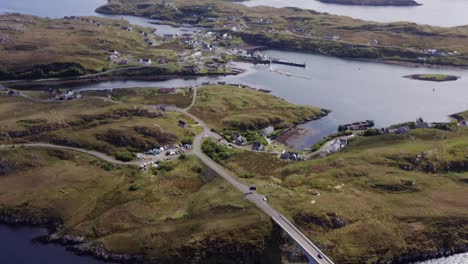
<point x="327" y="259"/>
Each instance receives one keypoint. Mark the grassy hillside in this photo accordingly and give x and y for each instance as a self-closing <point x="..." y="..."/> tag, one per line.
<point x="96" y="123"/>
<point x="385" y="198"/>
<point x="306" y="30"/>
<point x="33" y="47"/>
<point x="235" y="108"/>
<point x="169" y="215"/>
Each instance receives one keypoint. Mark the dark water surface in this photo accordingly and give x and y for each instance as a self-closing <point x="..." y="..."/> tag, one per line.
<point x="17" y="248"/>
<point x="354" y="90"/>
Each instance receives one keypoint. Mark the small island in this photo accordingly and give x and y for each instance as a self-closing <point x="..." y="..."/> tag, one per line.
<point x="433" y="77"/>
<point x="373" y="2"/>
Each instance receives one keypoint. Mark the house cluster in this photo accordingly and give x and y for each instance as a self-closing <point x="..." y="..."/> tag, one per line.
<point x="146" y="165"/>
<point x="403" y="129"/>
<point x="88" y="20"/>
<point x="117" y="58"/>
<point x="169" y="150"/>
<point x="436" y="52"/>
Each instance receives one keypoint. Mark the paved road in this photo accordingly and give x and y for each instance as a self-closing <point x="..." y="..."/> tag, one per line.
<point x="307" y="245"/>
<point x="313" y="252"/>
<point x="96" y="154"/>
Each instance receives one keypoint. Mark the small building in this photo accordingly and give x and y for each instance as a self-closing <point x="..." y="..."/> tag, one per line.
<point x="167" y="90"/>
<point x="188" y="146"/>
<point x="163" y="61"/>
<point x="421" y="124"/>
<point x="257" y="146"/>
<point x="182" y="123"/>
<point x="402" y="130"/>
<point x="239" y="139"/>
<point x="191" y="69"/>
<point x="2" y="88"/>
<point x="13" y="93"/>
<point x="212" y="68"/>
<point x="267" y="131"/>
<point x="288" y="155"/>
<point x="337" y="144"/>
<point x="146" y="61"/>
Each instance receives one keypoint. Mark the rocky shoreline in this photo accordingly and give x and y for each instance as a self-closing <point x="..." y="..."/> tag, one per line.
<point x="75" y="244"/>
<point x="282" y="139"/>
<point x="81" y="247"/>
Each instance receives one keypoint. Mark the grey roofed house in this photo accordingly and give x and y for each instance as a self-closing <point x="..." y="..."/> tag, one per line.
<point x="402" y="130"/>
<point x="191" y="69"/>
<point x="421" y="124"/>
<point x="258" y="146"/>
<point x="267" y="131"/>
<point x="288" y="155"/>
<point x="2" y="88"/>
<point x="239" y="139"/>
<point x="182" y="123"/>
<point x="13" y="93"/>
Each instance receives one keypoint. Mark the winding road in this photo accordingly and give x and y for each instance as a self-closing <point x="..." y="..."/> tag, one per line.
<point x="314" y="254"/>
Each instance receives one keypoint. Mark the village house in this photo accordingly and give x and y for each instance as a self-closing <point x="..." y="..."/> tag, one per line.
<point x="331" y="37"/>
<point x="163" y="61"/>
<point x="182" y="123"/>
<point x="402" y="130"/>
<point x="421" y="124"/>
<point x="167" y="90"/>
<point x="191" y="69"/>
<point x="288" y="155"/>
<point x="2" y="88"/>
<point x="257" y="146"/>
<point x="267" y="131"/>
<point x="145" y="61"/>
<point x="13" y="93"/>
<point x="239" y="139"/>
<point x="212" y="68"/>
<point x="337" y="144"/>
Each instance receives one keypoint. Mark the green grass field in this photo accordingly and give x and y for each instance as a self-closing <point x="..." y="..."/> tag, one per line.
<point x="305" y="30"/>
<point x="372" y="206"/>
<point x="167" y="216"/>
<point x="34" y="41"/>
<point x="94" y="123"/>
<point x="229" y="107"/>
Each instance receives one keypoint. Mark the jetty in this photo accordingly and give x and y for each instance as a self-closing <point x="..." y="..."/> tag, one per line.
<point x="362" y="125"/>
<point x="283" y="62"/>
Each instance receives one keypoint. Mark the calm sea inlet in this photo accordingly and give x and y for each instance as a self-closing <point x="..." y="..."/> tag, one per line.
<point x="353" y="90"/>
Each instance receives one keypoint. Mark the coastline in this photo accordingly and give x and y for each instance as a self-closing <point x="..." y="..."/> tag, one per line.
<point x="37" y="84"/>
<point x="253" y="39"/>
<point x="282" y="139"/>
<point x="76" y="244"/>
<point x="81" y="247"/>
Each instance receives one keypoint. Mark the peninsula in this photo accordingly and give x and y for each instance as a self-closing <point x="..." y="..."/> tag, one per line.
<point x="373" y="2"/>
<point x="306" y="30"/>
